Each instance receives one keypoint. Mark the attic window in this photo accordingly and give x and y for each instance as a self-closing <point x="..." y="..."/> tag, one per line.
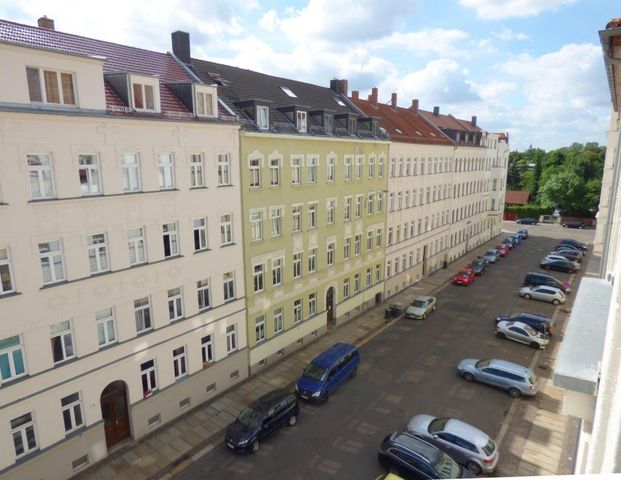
<point x="289" y="92"/>
<point x="218" y="78"/>
<point x="339" y="101"/>
<point x="145" y="93"/>
<point x="301" y="121"/>
<point x="205" y="101"/>
<point x="263" y="117"/>
<point x="419" y="134"/>
<point x="432" y="134"/>
<point x="399" y="131"/>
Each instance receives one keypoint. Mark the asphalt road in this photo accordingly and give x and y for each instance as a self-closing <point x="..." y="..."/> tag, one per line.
<point x="406" y="370"/>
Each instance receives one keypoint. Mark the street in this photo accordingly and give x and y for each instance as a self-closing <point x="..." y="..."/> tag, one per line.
<point x="407" y="370"/>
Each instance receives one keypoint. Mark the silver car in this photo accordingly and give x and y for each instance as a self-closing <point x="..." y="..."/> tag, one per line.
<point x="421" y="306"/>
<point x="514" y="378"/>
<point x="556" y="256"/>
<point x="464" y="443"/>
<point x="543" y="292"/>
<point x="491" y="256"/>
<point x="520" y="332"/>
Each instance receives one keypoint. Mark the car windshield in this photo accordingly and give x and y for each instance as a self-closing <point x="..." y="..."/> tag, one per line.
<point x="315" y="372"/>
<point x="489" y="447"/>
<point x="437" y="425"/>
<point x="482" y="363"/>
<point x="530" y="331"/>
<point x="250" y="417"/>
<point x="463" y="274"/>
<point x="418" y="303"/>
<point x="491" y="252"/>
<point x="446" y="467"/>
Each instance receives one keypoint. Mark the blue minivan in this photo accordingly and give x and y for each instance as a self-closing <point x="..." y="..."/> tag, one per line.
<point x="327" y="371"/>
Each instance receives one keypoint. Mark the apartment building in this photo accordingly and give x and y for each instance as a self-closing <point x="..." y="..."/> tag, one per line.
<point x="445" y="187"/>
<point x="121" y="262"/>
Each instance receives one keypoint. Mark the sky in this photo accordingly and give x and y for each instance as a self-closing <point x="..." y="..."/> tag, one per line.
<point x="533" y="68"/>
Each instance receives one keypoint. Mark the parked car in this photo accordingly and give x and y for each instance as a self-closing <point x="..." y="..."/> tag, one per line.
<point x="573" y="224"/>
<point x="261" y="418"/>
<point x="567" y="246"/>
<point x="575" y="243"/>
<point x="521" y="235"/>
<point x="467" y="445"/>
<point x="522" y="333"/>
<point x="502" y="250"/>
<point x="558" y="256"/>
<point x="526" y="221"/>
<point x="413" y="458"/>
<point x="523" y="232"/>
<point x="516" y="238"/>
<point x="543" y="292"/>
<point x="479" y="266"/>
<point x="535" y="279"/>
<point x="563" y="265"/>
<point x="514" y="378"/>
<point x="510" y="242"/>
<point x="537" y="322"/>
<point x="464" y="277"/>
<point x="569" y="253"/>
<point x="420" y="307"/>
<point x="508" y="246"/>
<point x="491" y="256"/>
<point x="327" y="371"/>
<point x="389" y="476"/>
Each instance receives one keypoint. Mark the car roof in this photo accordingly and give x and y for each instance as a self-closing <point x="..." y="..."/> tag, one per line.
<point x="515" y="323"/>
<point x="466" y="431"/>
<point x="534" y="316"/>
<point x="555" y="289"/>
<point x="509" y="366"/>
<point x="266" y="401"/>
<point x="424" y="298"/>
<point x="333" y="353"/>
<point x="415" y="444"/>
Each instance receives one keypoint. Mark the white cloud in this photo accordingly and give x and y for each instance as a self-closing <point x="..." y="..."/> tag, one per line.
<point x="506" y="35"/>
<point x="270" y="21"/>
<point x="499" y="9"/>
<point x="438" y="41"/>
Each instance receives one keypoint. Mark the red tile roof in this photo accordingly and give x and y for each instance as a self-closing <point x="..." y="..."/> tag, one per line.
<point x="442" y="121"/>
<point x="516" y="197"/>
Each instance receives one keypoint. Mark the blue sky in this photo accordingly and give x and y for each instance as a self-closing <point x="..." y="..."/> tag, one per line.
<point x="530" y="67"/>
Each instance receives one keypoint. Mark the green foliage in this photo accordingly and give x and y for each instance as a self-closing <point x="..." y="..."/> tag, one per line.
<point x="529" y="211"/>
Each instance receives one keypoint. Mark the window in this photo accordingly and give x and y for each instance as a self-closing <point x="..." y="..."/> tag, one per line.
<point x="228" y="283"/>
<point x="256" y="225"/>
<point x="179" y="363"/>
<point x="24" y="436"/>
<point x="276" y="218"/>
<point x="62" y="341"/>
<point x="356" y="283"/>
<point x="347" y="209"/>
<point x="255" y="172"/>
<point x="330" y="254"/>
<point x="296" y="170"/>
<point x="165" y="170"/>
<point x="207" y="349"/>
<point x="380" y="202"/>
<point x="401" y="167"/>
<point x="6" y="272"/>
<point x="312" y="304"/>
<point x="378" y="272"/>
<point x="148" y="377"/>
<point x="41" y="178"/>
<point x="224" y="169"/>
<point x="288" y="92"/>
<point x="258" y="277"/>
<point x="312" y="215"/>
<point x="301" y="121"/>
<point x="200" y="234"/>
<point x="169" y="237"/>
<point x="369" y="240"/>
<point x="143" y="96"/>
<point x="90" y="178"/>
<point x="330" y="211"/>
<point x="348" y="162"/>
<point x="204" y="104"/>
<point x="12" y="364"/>
<point x="175" y="304"/>
<point x="259" y="329"/>
<point x="97" y="253"/>
<point x="226" y="229"/>
<point x="51" y="257"/>
<point x="312" y="260"/>
<point x="358" y="212"/>
<point x="275" y="172"/>
<point x="297" y="311"/>
<point x="389" y="268"/>
<point x="72" y="412"/>
<point x="204" y="297"/>
<point x="231" y="339"/>
<point x="369" y="279"/>
<point x="347" y="248"/>
<point x="297" y="265"/>
<point x="130" y="171"/>
<point x="378" y="238"/>
<point x="263" y="117"/>
<point x="106" y="330"/>
<point x="331" y="165"/>
<point x="48" y="86"/>
<point x="278" y="320"/>
<point x="371" y="166"/>
<point x="380" y="167"/>
<point x="346" y="288"/>
<point x="136" y="245"/>
<point x="357" y="244"/>
<point x="358" y="171"/>
<point x="312" y="169"/>
<point x="370" y="205"/>
<point x="328" y="123"/>
<point x="389" y="240"/>
<point x="196" y="170"/>
<point x="296" y="213"/>
<point x="142" y="314"/>
<point x="393" y="167"/>
<point x="351" y="126"/>
<point x="277" y="271"/>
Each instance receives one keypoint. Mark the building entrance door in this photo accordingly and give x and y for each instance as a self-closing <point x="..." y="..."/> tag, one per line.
<point x="330" y="306"/>
<point x="114" y="412"/>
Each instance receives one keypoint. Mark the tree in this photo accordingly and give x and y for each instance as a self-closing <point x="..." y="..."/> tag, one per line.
<point x="567" y="192"/>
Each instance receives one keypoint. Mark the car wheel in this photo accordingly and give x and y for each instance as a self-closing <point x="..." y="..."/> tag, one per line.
<point x="556" y="302"/>
<point x="353" y="373"/>
<point x="293" y="419"/>
<point x="500" y="335"/>
<point x="325" y="396"/>
<point x="514" y="392"/>
<point x="474" y="468"/>
<point x="468" y="377"/>
<point x="527" y="296"/>
<point x="254" y="446"/>
<point x="535" y="345"/>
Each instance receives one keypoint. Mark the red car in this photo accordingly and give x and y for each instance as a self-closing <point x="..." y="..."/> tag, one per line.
<point x="464" y="277"/>
<point x="503" y="250"/>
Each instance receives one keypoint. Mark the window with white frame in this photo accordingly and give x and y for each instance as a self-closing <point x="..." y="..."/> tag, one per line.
<point x="136" y="245"/>
<point x="7" y="284"/>
<point x="297" y="310"/>
<point x="256" y="225"/>
<point x="346" y="288"/>
<point x="165" y="168"/>
<point x="296" y="215"/>
<point x="401" y="167"/>
<point x="330" y="211"/>
<point x="50" y="86"/>
<point x="175" y="304"/>
<point x="347" y="248"/>
<point x="204" y="103"/>
<point x="369" y="279"/>
<point x="370" y="204"/>
<point x="231" y="338"/>
<point x="389" y="268"/>
<point x="275" y="172"/>
<point x="203" y="294"/>
<point x="259" y="329"/>
<point x="148" y="376"/>
<point x="380" y="202"/>
<point x="330" y="253"/>
<point x="380" y="167"/>
<point x="72" y="412"/>
<point x="24" y="435"/>
<point x="130" y="172"/>
<point x="348" y="167"/>
<point x="106" y="328"/>
<point x="170" y="240"/>
<point x="301" y="121"/>
<point x="347" y="209"/>
<point x="297" y="265"/>
<point x="358" y="211"/>
<point x="331" y="169"/>
<point x="391" y="202"/>
<point x="142" y="314"/>
<point x="143" y="96"/>
<point x="12" y="362"/>
<point x="263" y="117"/>
<point x="52" y="265"/>
<point x="312" y="304"/>
<point x="228" y="284"/>
<point x="356" y="283"/>
<point x="226" y="229"/>
<point x="328" y="123"/>
<point x="277" y="264"/>
<point x="200" y="234"/>
<point x="358" y="171"/>
<point x="224" y="169"/>
<point x="312" y="215"/>
<point x="61" y="338"/>
<point x="276" y="221"/>
<point x="378" y="272"/>
<point x="312" y="260"/>
<point x="312" y="168"/>
<point x="207" y="349"/>
<point x="254" y="164"/>
<point x="89" y="174"/>
<point x="369" y="240"/>
<point x="258" y="277"/>
<point x="41" y="176"/>
<point x="393" y="167"/>
<point x="197" y="177"/>
<point x="378" y="237"/>
<point x="278" y="320"/>
<point x="296" y="170"/>
<point x="371" y="166"/>
<point x="97" y="253"/>
<point x="180" y="368"/>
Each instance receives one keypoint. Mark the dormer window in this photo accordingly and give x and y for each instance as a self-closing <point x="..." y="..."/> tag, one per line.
<point x="351" y="126"/>
<point x="145" y="93"/>
<point x="50" y="86"/>
<point x="263" y="117"/>
<point x="328" y="123"/>
<point x="301" y="121"/>
<point x="288" y="92"/>
<point x="205" y="100"/>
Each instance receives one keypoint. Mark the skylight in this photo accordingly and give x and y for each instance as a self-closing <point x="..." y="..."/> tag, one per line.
<point x="418" y="133"/>
<point x="289" y="92"/>
<point x="398" y="130"/>
<point x="432" y="134"/>
<point x="339" y="101"/>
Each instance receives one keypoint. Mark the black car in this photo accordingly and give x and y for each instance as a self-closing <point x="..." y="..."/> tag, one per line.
<point x="537" y="322"/>
<point x="579" y="225"/>
<point x="569" y="253"/>
<point x="535" y="278"/>
<point x="567" y="246"/>
<point x="526" y="221"/>
<point x="411" y="457"/>
<point x="524" y="233"/>
<point x="574" y="243"/>
<point x="560" y="265"/>
<point x="511" y="241"/>
<point x="261" y="418"/>
<point x="479" y="266"/>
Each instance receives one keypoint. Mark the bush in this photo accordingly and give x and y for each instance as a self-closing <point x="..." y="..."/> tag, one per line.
<point x="529" y="211"/>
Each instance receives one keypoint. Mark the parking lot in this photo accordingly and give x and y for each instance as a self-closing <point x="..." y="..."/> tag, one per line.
<point x="406" y="370"/>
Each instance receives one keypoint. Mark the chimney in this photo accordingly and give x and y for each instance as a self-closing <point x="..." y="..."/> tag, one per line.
<point x="436" y="111"/>
<point x="393" y="101"/>
<point x="373" y="96"/>
<point x="474" y="120"/>
<point x="345" y="87"/>
<point x="414" y="106"/>
<point x="181" y="45"/>
<point x="46" y="23"/>
<point x="355" y="94"/>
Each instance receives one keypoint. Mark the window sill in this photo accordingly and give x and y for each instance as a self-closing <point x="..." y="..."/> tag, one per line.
<point x="228" y="245"/>
<point x="230" y="300"/>
<point x="202" y="250"/>
<point x="9" y="295"/>
<point x="87" y="197"/>
<point x="14" y="381"/>
<point x="199" y="187"/>
<point x="226" y="186"/>
<point x="62" y="363"/>
<point x="174" y="321"/>
<point x="143" y="333"/>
